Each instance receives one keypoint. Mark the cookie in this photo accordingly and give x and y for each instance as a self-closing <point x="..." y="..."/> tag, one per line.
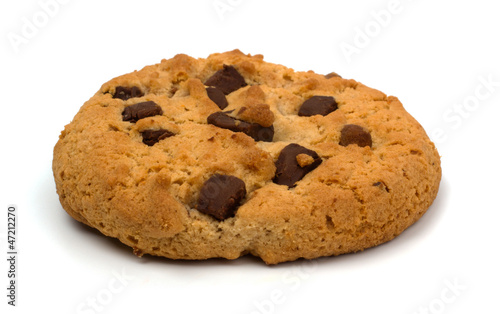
<point x="231" y="155"/>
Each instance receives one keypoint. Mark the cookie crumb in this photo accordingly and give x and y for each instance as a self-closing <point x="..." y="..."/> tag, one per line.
<point x="304" y="160"/>
<point x="138" y="252"/>
<point x="257" y="113"/>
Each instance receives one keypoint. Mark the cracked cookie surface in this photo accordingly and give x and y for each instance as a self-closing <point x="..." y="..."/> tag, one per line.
<point x="231" y="155"/>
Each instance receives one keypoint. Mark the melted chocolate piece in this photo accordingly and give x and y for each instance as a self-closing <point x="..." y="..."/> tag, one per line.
<point x="288" y="170"/>
<point x="221" y="195"/>
<point x="355" y="134"/>
<point x="151" y="137"/>
<point x="125" y="93"/>
<point x="227" y="80"/>
<point x="141" y="110"/>
<point x="321" y="105"/>
<point x="217" y="96"/>
<point x="254" y="130"/>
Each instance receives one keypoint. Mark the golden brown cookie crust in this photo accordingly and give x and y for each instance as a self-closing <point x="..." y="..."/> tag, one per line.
<point x="146" y="196"/>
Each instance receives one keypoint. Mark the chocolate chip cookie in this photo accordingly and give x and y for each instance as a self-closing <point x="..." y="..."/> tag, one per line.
<point x="230" y="155"/>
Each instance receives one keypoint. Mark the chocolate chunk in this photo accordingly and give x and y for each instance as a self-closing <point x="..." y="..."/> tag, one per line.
<point x="222" y="120"/>
<point x="151" y="137"/>
<point x="288" y="170"/>
<point x="254" y="130"/>
<point x="381" y="185"/>
<point x="331" y="75"/>
<point x="321" y="105"/>
<point x="221" y="195"/>
<point x="141" y="110"/>
<point x="217" y="96"/>
<point x="354" y="134"/>
<point x="125" y="93"/>
<point x="227" y="80"/>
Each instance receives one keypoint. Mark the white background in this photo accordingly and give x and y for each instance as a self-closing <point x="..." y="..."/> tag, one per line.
<point x="436" y="56"/>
